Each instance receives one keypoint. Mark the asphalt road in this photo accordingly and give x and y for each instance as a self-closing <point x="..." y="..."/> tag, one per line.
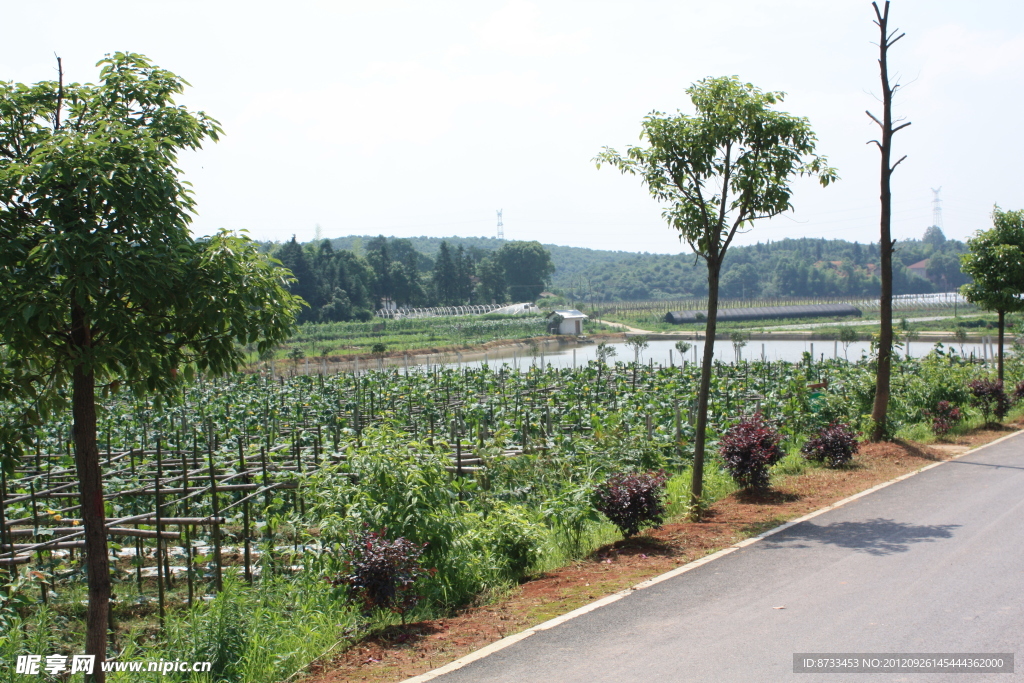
<point x="931" y="564"/>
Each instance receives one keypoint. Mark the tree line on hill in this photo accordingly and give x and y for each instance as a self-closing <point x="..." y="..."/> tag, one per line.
<point x="344" y="284"/>
<point x="804" y="267"/>
<point x="348" y="278"/>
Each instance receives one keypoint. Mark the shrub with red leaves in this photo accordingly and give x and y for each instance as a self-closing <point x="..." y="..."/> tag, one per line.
<point x="834" y="445"/>
<point x="1018" y="392"/>
<point x="988" y="394"/>
<point x="381" y="572"/>
<point x="944" y="417"/>
<point x="749" y="449"/>
<point x="632" y="501"/>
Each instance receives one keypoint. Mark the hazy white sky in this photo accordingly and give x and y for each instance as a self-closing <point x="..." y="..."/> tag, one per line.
<point x="414" y="118"/>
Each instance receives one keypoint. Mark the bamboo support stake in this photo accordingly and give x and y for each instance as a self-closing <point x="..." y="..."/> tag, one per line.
<point x="159" y="541"/>
<point x="245" y="515"/>
<point x="218" y="579"/>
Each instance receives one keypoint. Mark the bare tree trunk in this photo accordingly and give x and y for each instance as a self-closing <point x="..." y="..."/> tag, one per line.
<point x="90" y="481"/>
<point x="883" y="376"/>
<point x="697" y="482"/>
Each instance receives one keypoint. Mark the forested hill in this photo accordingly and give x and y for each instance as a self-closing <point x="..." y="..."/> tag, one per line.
<point x="790" y="267"/>
<point x="350" y="277"/>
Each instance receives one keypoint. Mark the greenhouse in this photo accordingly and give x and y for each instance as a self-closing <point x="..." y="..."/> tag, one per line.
<point x="766" y="313"/>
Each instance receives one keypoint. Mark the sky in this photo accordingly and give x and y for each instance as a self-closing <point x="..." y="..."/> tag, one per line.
<point x="407" y="118"/>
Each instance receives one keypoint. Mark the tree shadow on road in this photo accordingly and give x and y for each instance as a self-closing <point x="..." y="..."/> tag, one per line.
<point x="874" y="536"/>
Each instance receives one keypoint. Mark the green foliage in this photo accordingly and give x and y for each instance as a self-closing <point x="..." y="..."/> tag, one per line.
<point x="996" y="262"/>
<point x="512" y="538"/>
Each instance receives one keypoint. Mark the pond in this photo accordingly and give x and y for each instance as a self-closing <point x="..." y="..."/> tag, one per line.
<point x="663" y="352"/>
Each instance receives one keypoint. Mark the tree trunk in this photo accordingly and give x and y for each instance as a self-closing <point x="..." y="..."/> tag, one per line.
<point x="879" y="411"/>
<point x="697" y="482"/>
<point x="90" y="481"/>
<point x="1002" y="328"/>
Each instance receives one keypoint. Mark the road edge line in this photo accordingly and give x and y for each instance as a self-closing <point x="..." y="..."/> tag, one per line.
<point x="671" y="574"/>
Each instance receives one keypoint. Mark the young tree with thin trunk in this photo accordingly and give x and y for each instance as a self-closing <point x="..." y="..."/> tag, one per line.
<point x="996" y="262"/>
<point x="718" y="171"/>
<point x="884" y="372"/>
<point x="103" y="285"/>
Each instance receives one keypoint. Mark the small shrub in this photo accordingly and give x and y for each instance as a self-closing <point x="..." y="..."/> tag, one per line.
<point x="944" y="417"/>
<point x="988" y="394"/>
<point x="381" y="572"/>
<point x="632" y="501"/>
<point x="748" y="449"/>
<point x="834" y="445"/>
<point x="1018" y="392"/>
<point x="513" y="538"/>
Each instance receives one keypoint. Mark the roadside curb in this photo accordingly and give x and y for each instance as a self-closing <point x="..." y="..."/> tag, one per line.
<point x="607" y="600"/>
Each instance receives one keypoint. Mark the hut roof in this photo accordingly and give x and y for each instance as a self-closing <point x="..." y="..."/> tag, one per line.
<point x="569" y="314"/>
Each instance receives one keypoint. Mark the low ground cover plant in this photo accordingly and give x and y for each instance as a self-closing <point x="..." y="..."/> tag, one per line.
<point x="748" y="449"/>
<point x="632" y="501"/>
<point x="834" y="446"/>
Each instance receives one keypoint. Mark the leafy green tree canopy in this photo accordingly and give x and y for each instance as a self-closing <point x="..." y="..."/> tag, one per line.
<point x="995" y="259"/>
<point x="527" y="267"/>
<point x="102" y="281"/>
<point x="719" y="170"/>
<point x="724" y="167"/>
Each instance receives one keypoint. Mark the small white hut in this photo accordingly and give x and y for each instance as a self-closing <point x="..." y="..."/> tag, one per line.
<point x="569" y="321"/>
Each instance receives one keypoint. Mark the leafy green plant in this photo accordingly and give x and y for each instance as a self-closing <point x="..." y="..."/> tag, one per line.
<point x="571" y="512"/>
<point x="748" y="449"/>
<point x="632" y="501"/>
<point x="512" y="538"/>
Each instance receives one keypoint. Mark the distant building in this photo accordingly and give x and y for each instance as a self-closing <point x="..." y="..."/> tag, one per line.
<point x="920" y="268"/>
<point x="569" y="321"/>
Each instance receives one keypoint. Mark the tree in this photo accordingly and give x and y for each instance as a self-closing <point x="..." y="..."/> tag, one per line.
<point x="102" y="281"/>
<point x="934" y="236"/>
<point x="996" y="262"/>
<point x="527" y="267"/>
<point x="445" y="285"/>
<point x="492" y="287"/>
<point x="883" y="374"/>
<point x="719" y="170"/>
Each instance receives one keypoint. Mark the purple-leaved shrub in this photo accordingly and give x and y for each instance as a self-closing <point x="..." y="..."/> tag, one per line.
<point x="632" y="501"/>
<point x="381" y="573"/>
<point x="988" y="394"/>
<point x="834" y="445"/>
<point x="944" y="417"/>
<point x="748" y="449"/>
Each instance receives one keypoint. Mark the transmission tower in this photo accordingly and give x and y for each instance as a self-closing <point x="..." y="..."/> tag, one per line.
<point x="501" y="227"/>
<point x="937" y="210"/>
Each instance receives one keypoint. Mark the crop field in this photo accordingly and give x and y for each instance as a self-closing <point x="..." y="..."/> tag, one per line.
<point x="337" y="341"/>
<point x="229" y="504"/>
